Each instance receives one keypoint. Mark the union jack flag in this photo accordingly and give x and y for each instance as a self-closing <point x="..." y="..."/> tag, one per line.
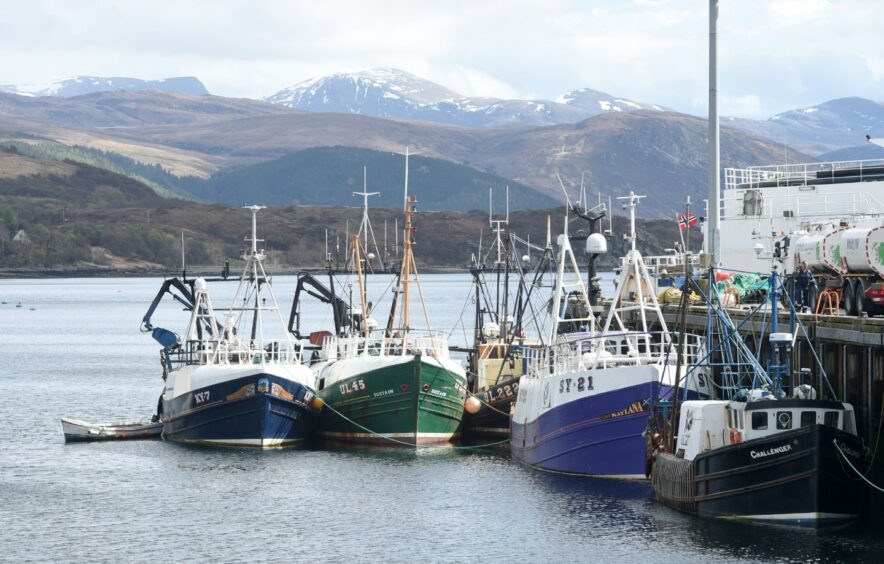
<point x="686" y="220"/>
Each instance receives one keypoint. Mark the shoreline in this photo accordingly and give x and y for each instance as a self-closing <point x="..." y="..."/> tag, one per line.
<point x="66" y="272"/>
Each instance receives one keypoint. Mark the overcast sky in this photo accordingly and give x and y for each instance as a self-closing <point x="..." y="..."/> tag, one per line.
<point x="775" y="55"/>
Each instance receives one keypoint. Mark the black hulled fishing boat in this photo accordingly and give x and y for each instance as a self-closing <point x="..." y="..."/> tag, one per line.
<point x="502" y="294"/>
<point x="773" y="452"/>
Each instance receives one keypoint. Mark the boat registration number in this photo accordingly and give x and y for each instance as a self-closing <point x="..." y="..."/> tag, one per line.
<point x="579" y="384"/>
<point x="505" y="391"/>
<point x="200" y="398"/>
<point x="348" y="388"/>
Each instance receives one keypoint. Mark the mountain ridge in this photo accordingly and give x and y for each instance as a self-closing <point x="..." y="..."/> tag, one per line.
<point x="81" y="85"/>
<point x="391" y="92"/>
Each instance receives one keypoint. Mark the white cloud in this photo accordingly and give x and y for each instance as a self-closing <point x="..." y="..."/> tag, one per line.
<point x="774" y="54"/>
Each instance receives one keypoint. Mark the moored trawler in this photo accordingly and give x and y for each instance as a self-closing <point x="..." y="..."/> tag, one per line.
<point x="225" y="383"/>
<point x="584" y="405"/>
<point x="396" y="385"/>
<point x="783" y="461"/>
<point x="390" y="390"/>
<point x="763" y="454"/>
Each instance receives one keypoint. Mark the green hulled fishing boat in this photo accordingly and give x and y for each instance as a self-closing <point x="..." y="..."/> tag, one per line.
<point x="393" y="385"/>
<point x="404" y="389"/>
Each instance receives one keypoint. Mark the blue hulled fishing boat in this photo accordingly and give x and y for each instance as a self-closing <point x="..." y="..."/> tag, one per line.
<point x="227" y="383"/>
<point x="584" y="405"/>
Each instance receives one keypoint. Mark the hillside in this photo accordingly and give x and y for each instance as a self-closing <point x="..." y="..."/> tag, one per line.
<point x="330" y="175"/>
<point x="89" y="84"/>
<point x="652" y="152"/>
<point x="77" y="216"/>
<point x="662" y="154"/>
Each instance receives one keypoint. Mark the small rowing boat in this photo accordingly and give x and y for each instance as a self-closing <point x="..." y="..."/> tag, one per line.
<point x="77" y="430"/>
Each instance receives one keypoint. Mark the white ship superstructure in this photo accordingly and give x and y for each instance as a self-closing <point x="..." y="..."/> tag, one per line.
<point x="762" y="205"/>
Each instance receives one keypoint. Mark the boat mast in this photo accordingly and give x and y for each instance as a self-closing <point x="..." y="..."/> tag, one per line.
<point x="357" y="261"/>
<point x="365" y="228"/>
<point x="564" y="281"/>
<point x="403" y="286"/>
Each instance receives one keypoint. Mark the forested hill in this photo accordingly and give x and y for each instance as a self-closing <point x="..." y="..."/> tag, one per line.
<point x="66" y="215"/>
<point x="330" y="175"/>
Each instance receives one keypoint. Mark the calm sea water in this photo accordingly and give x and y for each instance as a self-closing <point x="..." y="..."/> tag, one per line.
<point x="79" y="353"/>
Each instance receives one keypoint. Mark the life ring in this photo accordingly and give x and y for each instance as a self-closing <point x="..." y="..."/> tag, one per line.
<point x="736" y="436"/>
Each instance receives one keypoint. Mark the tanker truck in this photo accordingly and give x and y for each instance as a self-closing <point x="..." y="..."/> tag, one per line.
<point x="848" y="259"/>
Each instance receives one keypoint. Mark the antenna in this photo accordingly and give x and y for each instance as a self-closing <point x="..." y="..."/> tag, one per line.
<point x="405" y="199"/>
<point x="365" y="228"/>
<point x="632" y="200"/>
<point x="611" y="219"/>
<point x="183" y="264"/>
<point x="497" y="224"/>
<point x="582" y="201"/>
<point x="565" y="192"/>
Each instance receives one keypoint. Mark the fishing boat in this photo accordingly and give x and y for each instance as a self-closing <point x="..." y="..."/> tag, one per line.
<point x="496" y="361"/>
<point x="584" y="406"/>
<point x="764" y="454"/>
<point x="395" y="385"/>
<point x="227" y="383"/>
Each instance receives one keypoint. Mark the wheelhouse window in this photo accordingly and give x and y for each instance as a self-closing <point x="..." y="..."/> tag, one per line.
<point x="759" y="420"/>
<point x="784" y="420"/>
<point x="808" y="418"/>
<point x="830" y="419"/>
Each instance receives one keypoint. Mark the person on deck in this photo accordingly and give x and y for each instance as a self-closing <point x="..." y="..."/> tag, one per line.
<point x="803" y="283"/>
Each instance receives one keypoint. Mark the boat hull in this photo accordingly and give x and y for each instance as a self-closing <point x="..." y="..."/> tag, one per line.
<point x="405" y="403"/>
<point x="600" y="434"/>
<point x="76" y="430"/>
<point x="259" y="409"/>
<point x="493" y="418"/>
<point x="795" y="477"/>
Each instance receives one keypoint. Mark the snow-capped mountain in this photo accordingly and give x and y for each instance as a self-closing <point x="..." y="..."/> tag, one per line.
<point x="90" y="84"/>
<point x="389" y="92"/>
<point x="592" y="102"/>
<point x="843" y="122"/>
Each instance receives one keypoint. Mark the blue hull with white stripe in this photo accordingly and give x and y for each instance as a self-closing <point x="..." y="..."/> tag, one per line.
<point x="260" y="409"/>
<point x="601" y="434"/>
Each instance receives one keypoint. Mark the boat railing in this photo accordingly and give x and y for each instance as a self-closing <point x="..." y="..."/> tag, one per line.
<point x="657" y="263"/>
<point x="225" y="352"/>
<point x="586" y="351"/>
<point x="384" y="343"/>
<point x="805" y="205"/>
<point x="803" y="173"/>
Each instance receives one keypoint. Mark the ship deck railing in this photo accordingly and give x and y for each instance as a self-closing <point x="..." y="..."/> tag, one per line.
<point x="803" y="173"/>
<point x="587" y="351"/>
<point x="225" y="353"/>
<point x="397" y="342"/>
<point x="673" y="262"/>
<point x="801" y="205"/>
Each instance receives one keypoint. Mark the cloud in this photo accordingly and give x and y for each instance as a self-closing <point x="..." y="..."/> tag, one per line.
<point x="774" y="54"/>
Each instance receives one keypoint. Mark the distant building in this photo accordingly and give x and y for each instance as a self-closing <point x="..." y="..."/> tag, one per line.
<point x="21" y="237"/>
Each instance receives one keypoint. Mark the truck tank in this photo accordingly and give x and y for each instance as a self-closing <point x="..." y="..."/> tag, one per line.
<point x="863" y="250"/>
<point x="821" y="250"/>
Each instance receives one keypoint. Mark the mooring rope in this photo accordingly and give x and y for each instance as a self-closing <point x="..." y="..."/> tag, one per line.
<point x="403" y="443"/>
<point x="489" y="405"/>
<point x="852" y="467"/>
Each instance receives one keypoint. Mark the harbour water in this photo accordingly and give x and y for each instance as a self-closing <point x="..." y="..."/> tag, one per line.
<point x="79" y="353"/>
